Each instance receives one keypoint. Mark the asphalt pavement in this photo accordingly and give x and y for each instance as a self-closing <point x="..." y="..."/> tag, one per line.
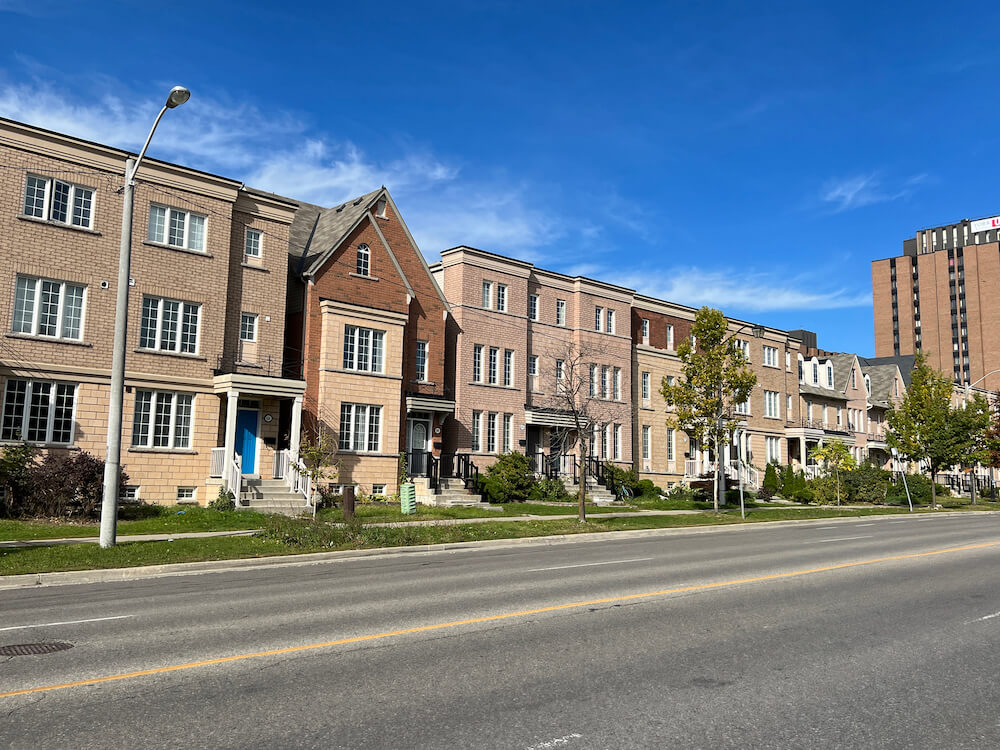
<point x="868" y="632"/>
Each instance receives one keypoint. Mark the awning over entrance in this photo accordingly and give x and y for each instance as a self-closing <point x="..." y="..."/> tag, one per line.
<point x="549" y="418"/>
<point x="430" y="403"/>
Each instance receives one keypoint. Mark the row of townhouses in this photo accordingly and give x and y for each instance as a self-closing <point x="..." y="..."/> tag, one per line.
<point x="256" y="321"/>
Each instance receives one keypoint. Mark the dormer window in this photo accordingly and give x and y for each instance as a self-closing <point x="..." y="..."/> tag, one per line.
<point x="829" y="376"/>
<point x="815" y="373"/>
<point x="380" y="208"/>
<point x="364" y="259"/>
<point x="868" y="385"/>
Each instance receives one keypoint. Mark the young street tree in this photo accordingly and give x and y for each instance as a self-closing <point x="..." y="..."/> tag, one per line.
<point x="835" y="455"/>
<point x="585" y="392"/>
<point x="715" y="380"/>
<point x="924" y="427"/>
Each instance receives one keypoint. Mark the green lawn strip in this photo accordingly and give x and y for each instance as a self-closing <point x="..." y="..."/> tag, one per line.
<point x="323" y="537"/>
<point x="387" y="514"/>
<point x="159" y="520"/>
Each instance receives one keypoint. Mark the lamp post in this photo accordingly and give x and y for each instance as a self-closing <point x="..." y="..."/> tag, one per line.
<point x="720" y="475"/>
<point x="895" y="457"/>
<point x="112" y="461"/>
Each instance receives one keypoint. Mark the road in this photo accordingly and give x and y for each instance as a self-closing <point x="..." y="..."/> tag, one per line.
<point x="869" y="632"/>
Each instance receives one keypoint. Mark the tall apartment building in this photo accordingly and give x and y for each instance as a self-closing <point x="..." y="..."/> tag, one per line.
<point x="523" y="334"/>
<point x="206" y="313"/>
<point x="942" y="297"/>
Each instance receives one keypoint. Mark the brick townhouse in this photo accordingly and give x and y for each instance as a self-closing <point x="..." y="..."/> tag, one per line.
<point x="205" y="325"/>
<point x="370" y="331"/>
<point x="524" y="334"/>
<point x="666" y="455"/>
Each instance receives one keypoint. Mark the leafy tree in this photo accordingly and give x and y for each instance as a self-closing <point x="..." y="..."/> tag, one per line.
<point x="16" y="462"/>
<point x="971" y="424"/>
<point x="770" y="486"/>
<point x="716" y="378"/>
<point x="835" y="455"/>
<point x="924" y="427"/>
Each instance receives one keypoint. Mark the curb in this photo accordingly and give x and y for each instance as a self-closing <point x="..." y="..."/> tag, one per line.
<point x="114" y="575"/>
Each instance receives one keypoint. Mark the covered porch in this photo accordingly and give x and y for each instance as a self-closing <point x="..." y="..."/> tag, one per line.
<point x="259" y="430"/>
<point x="549" y="437"/>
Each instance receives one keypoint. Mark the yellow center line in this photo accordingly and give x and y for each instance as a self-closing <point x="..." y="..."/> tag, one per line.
<point x="488" y="618"/>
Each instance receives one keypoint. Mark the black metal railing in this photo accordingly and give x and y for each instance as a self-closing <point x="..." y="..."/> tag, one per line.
<point x="445" y="466"/>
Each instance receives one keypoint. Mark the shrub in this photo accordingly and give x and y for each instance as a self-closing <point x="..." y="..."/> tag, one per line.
<point x="509" y="479"/>
<point x="824" y="490"/>
<point x="623" y="477"/>
<point x="15" y="473"/>
<point x="920" y="490"/>
<point x="770" y="486"/>
<point x="733" y="496"/>
<point x="646" y="488"/>
<point x="866" y="483"/>
<point x="68" y="484"/>
<point x="223" y="501"/>
<point x="548" y="490"/>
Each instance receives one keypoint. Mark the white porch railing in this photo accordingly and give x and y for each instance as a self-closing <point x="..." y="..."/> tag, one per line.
<point x="282" y="460"/>
<point x="234" y="478"/>
<point x="812" y="471"/>
<point x="217" y="466"/>
<point x="287" y="468"/>
<point x="694" y="468"/>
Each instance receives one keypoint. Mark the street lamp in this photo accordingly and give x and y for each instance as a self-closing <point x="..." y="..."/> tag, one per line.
<point x="112" y="461"/>
<point x="895" y="457"/>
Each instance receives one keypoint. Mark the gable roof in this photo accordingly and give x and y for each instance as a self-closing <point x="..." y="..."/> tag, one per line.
<point x="317" y="232"/>
<point x="881" y="377"/>
<point x="905" y="363"/>
<point x="843" y="363"/>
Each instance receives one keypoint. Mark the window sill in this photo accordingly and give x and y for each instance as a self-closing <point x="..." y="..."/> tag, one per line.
<point x="165" y="246"/>
<point x="47" y="339"/>
<point x="59" y="224"/>
<point x="253" y="267"/>
<point x="423" y="382"/>
<point x="45" y="446"/>
<point x="185" y="451"/>
<point x="161" y="353"/>
<point x="362" y="276"/>
<point x="362" y="373"/>
<point x="495" y="385"/>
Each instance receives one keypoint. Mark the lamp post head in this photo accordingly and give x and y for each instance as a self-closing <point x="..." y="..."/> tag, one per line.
<point x="177" y="96"/>
<point x="757" y="331"/>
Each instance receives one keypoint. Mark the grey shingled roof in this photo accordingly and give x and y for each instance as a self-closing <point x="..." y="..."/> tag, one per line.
<point x="842" y="366"/>
<point x="881" y="377"/>
<point x="904" y="362"/>
<point x="316" y="230"/>
<point x="815" y="390"/>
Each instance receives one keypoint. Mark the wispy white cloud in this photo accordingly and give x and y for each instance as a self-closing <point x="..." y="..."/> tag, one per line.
<point x="739" y="290"/>
<point x="844" y="194"/>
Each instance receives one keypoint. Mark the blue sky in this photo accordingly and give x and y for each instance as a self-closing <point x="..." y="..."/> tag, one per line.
<point x="751" y="156"/>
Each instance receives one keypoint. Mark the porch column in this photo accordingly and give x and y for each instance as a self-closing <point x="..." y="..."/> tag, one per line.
<point x="296" y="428"/>
<point x="802" y="452"/>
<point x="232" y="403"/>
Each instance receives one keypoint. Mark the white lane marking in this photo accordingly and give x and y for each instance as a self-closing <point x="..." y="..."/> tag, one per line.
<point x="844" y="539"/>
<point x="859" y="525"/>
<point x="988" y="617"/>
<point x="821" y="528"/>
<point x="556" y="742"/>
<point x="67" y="622"/>
<point x="895" y="521"/>
<point x="588" y="565"/>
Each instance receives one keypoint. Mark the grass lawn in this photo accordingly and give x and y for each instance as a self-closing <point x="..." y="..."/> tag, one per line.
<point x="291" y="536"/>
<point x="391" y="513"/>
<point x="143" y="519"/>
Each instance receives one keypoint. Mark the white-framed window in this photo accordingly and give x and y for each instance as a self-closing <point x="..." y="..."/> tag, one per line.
<point x="38" y="411"/>
<point x="533" y="307"/>
<point x="670" y="444"/>
<point x="694" y="341"/>
<point x="610" y="327"/>
<point x="477" y="363"/>
<point x="604" y="381"/>
<point x="378" y="490"/>
<point x="815" y="373"/>
<point x="788" y="405"/>
<point x="364" y="262"/>
<point x="252" y="242"/>
<point x="487" y="295"/>
<point x="560" y="312"/>
<point x="162" y="419"/>
<point x="560" y="369"/>
<point x="421" y="361"/>
<point x="616" y="382"/>
<point x="508" y="433"/>
<point x="645" y="388"/>
<point x="645" y="442"/>
<point x="772" y="450"/>
<point x="491" y="432"/>
<point x="491" y="370"/>
<point x="772" y="404"/>
<point x="131" y="493"/>
<point x="742" y="408"/>
<point x="594" y="430"/>
<point x="477" y="431"/>
<point x="533" y="365"/>
<point x="829" y="376"/>
<point x="364" y="349"/>
<point x="743" y="346"/>
<point x="186" y="495"/>
<point x="176" y="227"/>
<point x="605" y="441"/>
<point x="840" y="416"/>
<point x="502" y="297"/>
<point x="169" y="325"/>
<point x="770" y="356"/>
<point x="508" y="367"/>
<point x="617" y="444"/>
<point x="645" y="331"/>
<point x="593" y="380"/>
<point x="248" y="327"/>
<point x="854" y="380"/>
<point x="598" y="318"/>
<point x="45" y="307"/>
<point x="788" y="361"/>
<point x="56" y="200"/>
<point x="360" y="427"/>
<point x="670" y="337"/>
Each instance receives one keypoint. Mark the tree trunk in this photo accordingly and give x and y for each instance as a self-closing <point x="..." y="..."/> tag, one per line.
<point x="718" y="465"/>
<point x="838" y="485"/>
<point x="933" y="488"/>
<point x="583" y="481"/>
<point x="973" y="474"/>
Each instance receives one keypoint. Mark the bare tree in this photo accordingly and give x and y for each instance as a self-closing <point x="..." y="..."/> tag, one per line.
<point x="584" y="391"/>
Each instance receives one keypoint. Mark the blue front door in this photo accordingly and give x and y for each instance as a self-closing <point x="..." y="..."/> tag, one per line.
<point x="246" y="439"/>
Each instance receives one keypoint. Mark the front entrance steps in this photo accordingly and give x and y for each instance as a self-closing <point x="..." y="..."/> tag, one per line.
<point x="271" y="496"/>
<point x="451" y="491"/>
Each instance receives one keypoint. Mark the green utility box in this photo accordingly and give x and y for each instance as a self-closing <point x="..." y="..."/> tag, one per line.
<point x="407" y="499"/>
